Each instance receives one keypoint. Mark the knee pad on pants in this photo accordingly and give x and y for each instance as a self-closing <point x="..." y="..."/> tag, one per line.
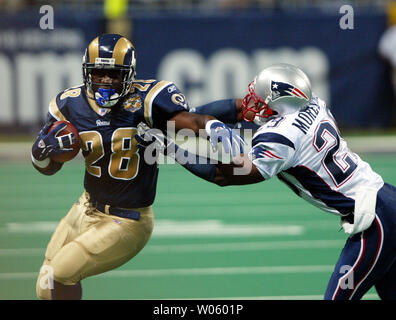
<point x="69" y="263"/>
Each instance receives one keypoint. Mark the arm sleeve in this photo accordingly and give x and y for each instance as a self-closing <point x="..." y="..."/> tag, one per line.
<point x="271" y="153"/>
<point x="223" y="110"/>
<point x="197" y="165"/>
<point x="167" y="100"/>
<point x="48" y="166"/>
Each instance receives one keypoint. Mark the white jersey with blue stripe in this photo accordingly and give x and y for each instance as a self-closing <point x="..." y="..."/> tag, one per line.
<point x="306" y="151"/>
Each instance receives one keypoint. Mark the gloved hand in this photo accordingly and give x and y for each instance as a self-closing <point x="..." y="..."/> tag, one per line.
<point x="146" y="136"/>
<point x="220" y="132"/>
<point x="49" y="143"/>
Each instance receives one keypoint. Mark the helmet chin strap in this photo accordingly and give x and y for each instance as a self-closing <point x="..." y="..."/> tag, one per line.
<point x="106" y="97"/>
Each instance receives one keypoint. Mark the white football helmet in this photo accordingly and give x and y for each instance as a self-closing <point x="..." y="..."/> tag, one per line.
<point x="277" y="90"/>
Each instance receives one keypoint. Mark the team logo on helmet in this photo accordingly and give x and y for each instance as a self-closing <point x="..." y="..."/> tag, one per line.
<point x="112" y="52"/>
<point x="282" y="89"/>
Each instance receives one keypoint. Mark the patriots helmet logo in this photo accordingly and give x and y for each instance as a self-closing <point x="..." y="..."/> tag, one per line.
<point x="282" y="89"/>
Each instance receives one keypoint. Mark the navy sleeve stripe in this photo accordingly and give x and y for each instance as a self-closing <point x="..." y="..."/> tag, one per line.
<point x="319" y="189"/>
<point x="272" y="137"/>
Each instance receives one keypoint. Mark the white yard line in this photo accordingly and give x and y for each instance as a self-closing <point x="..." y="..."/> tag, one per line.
<point x="172" y="228"/>
<point x="190" y="272"/>
<point x="210" y="247"/>
<point x="245" y="246"/>
<point x="219" y="271"/>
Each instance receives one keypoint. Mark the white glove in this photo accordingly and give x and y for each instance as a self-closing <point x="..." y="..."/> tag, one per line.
<point x="220" y="132"/>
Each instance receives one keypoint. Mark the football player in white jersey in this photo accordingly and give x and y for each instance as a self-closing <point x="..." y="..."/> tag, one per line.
<point x="299" y="142"/>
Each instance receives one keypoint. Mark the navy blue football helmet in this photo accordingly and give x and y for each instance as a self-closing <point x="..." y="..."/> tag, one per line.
<point x="109" y="52"/>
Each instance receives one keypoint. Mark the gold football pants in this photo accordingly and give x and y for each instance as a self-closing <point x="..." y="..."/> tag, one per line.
<point x="87" y="242"/>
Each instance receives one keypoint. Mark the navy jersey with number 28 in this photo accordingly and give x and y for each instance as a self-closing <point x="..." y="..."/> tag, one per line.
<point x="116" y="173"/>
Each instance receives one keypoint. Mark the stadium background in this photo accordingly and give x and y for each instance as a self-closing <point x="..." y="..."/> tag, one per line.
<point x="252" y="242"/>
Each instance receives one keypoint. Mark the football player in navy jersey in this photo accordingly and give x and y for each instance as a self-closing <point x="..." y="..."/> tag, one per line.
<point x="299" y="142"/>
<point x="113" y="219"/>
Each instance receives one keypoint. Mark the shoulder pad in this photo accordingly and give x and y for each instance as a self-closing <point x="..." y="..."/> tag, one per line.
<point x="142" y="85"/>
<point x="58" y="104"/>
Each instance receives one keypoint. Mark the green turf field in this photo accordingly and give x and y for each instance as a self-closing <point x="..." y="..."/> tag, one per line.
<point x="255" y="242"/>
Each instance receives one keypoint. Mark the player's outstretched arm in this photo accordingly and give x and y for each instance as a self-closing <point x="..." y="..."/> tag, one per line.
<point x="226" y="110"/>
<point x="240" y="171"/>
<point x="215" y="130"/>
<point x="192" y="121"/>
<point x="50" y="143"/>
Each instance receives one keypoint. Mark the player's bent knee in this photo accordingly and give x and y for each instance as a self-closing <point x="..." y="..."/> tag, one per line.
<point x="69" y="264"/>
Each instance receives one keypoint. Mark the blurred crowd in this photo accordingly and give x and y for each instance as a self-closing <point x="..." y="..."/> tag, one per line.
<point x="12" y="5"/>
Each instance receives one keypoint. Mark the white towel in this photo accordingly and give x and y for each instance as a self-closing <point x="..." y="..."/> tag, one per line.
<point x="364" y="214"/>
